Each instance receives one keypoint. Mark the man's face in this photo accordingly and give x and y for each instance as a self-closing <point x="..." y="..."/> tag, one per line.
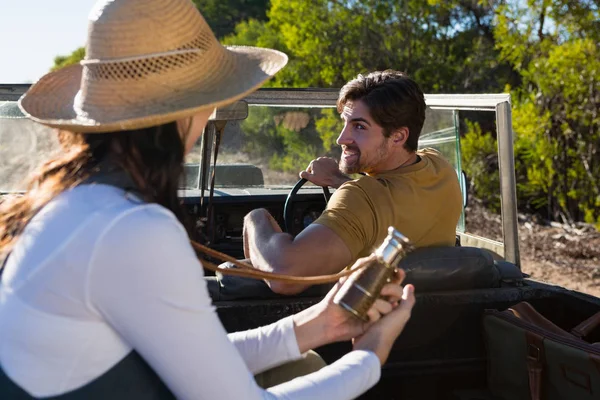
<point x="364" y="147"/>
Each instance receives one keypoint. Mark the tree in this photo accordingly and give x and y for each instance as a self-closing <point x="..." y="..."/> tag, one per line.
<point x="553" y="44"/>
<point x="73" y="58"/>
<point x="446" y="48"/>
<point x="223" y="15"/>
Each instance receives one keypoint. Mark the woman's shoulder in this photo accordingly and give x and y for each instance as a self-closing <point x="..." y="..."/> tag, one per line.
<point x="123" y="211"/>
<point x="109" y="200"/>
<point x="104" y="208"/>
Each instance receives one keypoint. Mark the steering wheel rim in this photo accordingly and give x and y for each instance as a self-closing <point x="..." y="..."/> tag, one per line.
<point x="287" y="208"/>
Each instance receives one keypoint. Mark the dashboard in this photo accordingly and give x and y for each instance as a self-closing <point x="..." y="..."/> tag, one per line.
<point x="230" y="206"/>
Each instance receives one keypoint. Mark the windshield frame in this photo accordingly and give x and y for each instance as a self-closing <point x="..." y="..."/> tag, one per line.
<point x="499" y="103"/>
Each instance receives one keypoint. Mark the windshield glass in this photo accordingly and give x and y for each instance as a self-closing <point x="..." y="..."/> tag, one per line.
<point x="271" y="146"/>
<point x="267" y="149"/>
<point x="24" y="145"/>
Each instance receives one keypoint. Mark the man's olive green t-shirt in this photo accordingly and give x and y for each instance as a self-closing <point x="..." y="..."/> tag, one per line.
<point x="423" y="201"/>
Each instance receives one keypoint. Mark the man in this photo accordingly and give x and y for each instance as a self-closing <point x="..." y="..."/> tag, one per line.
<point x="417" y="192"/>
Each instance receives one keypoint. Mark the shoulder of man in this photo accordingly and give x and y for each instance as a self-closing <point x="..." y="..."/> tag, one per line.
<point x="364" y="193"/>
<point x="351" y="213"/>
<point x="431" y="153"/>
<point x="436" y="158"/>
<point x="363" y="185"/>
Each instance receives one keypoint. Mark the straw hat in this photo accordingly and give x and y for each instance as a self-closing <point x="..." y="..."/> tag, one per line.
<point x="148" y="62"/>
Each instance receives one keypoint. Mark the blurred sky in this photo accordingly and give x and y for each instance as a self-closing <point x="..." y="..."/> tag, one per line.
<point x="33" y="32"/>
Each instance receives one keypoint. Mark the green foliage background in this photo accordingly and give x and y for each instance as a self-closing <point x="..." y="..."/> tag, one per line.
<point x="544" y="52"/>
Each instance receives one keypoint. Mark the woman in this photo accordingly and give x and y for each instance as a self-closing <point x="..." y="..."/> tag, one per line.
<point x="102" y="295"/>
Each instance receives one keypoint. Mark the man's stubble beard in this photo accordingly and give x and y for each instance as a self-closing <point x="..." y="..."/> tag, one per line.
<point x="358" y="167"/>
<point x="353" y="168"/>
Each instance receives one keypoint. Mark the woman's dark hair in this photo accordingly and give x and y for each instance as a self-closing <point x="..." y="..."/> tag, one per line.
<point x="394" y="101"/>
<point x="153" y="158"/>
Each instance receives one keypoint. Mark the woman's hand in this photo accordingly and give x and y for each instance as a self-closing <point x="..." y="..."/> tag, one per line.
<point x="380" y="336"/>
<point x="327" y="322"/>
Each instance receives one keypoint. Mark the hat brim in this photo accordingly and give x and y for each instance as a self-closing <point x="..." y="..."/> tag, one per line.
<point x="51" y="101"/>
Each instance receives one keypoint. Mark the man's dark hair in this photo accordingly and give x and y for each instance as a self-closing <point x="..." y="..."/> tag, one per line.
<point x="394" y="100"/>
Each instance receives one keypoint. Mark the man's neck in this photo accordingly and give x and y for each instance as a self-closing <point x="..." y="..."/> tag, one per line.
<point x="412" y="158"/>
<point x="405" y="160"/>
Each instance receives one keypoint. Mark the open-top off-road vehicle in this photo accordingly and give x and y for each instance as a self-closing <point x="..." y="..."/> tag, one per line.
<point x="442" y="353"/>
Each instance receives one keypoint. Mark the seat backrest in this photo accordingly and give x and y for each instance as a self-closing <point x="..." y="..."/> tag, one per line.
<point x="456" y="268"/>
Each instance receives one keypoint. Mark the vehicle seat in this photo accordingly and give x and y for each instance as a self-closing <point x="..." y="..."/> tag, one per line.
<point x="457" y="268"/>
<point x="429" y="269"/>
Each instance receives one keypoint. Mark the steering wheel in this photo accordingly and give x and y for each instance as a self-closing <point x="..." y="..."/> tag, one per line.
<point x="288" y="210"/>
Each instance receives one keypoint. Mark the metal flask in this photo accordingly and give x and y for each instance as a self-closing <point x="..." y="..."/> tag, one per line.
<point x="362" y="288"/>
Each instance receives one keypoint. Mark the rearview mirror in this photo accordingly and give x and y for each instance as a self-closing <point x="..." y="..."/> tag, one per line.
<point x="232" y="112"/>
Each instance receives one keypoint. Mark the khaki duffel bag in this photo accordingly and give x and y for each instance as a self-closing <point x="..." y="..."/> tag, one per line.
<point x="530" y="358"/>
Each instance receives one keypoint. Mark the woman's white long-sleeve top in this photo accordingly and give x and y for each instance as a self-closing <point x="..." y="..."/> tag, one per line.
<point x="97" y="274"/>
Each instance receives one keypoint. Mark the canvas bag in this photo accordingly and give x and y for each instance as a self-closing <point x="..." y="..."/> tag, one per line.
<point x="530" y="358"/>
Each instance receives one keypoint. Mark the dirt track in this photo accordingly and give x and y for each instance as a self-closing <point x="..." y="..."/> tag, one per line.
<point x="558" y="254"/>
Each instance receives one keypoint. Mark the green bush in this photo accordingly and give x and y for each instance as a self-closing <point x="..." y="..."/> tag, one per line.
<point x="480" y="162"/>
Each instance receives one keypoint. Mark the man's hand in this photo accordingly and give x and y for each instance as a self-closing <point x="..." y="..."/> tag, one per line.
<point x="324" y="171"/>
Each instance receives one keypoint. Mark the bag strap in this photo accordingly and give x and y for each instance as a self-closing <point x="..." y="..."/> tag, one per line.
<point x="535" y="363"/>
<point x="210" y="217"/>
<point x="248" y="271"/>
<point x="587" y="326"/>
<point x="526" y="312"/>
<point x="535" y="344"/>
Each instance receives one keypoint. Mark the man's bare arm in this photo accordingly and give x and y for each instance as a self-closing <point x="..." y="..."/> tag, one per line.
<point x="315" y="251"/>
